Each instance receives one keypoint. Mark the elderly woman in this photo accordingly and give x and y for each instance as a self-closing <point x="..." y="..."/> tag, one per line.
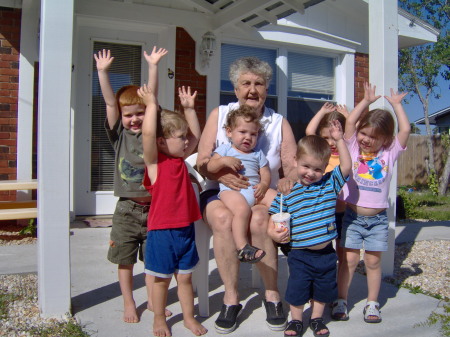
<point x="250" y="77"/>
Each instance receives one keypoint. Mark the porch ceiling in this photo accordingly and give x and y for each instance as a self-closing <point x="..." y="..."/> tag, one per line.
<point x="249" y="14"/>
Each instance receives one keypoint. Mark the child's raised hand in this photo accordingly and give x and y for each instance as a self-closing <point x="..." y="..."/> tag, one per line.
<point x="147" y="95"/>
<point x="369" y="93"/>
<point x="327" y="107"/>
<point x="103" y="59"/>
<point x="336" y="130"/>
<point x="187" y="99"/>
<point x="155" y="56"/>
<point x="396" y="97"/>
<point x="342" y="109"/>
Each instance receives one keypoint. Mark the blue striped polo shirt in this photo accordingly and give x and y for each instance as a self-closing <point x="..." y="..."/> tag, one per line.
<point x="312" y="210"/>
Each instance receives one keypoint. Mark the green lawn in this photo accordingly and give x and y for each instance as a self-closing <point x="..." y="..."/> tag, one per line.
<point x="422" y="204"/>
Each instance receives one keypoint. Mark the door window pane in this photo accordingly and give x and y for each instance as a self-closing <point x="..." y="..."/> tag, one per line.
<point x="125" y="70"/>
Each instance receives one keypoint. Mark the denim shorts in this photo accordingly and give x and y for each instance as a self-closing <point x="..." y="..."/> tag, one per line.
<point x="365" y="232"/>
<point x="129" y="232"/>
<point x="171" y="251"/>
<point x="312" y="274"/>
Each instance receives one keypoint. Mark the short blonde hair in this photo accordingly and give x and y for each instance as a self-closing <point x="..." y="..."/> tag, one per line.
<point x="246" y="112"/>
<point x="169" y="122"/>
<point x="315" y="146"/>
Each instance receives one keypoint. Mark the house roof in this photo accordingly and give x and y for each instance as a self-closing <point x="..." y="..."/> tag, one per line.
<point x="414" y="31"/>
<point x="254" y="18"/>
<point x="436" y="116"/>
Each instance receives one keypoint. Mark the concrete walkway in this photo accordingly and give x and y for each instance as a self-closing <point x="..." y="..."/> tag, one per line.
<point x="97" y="304"/>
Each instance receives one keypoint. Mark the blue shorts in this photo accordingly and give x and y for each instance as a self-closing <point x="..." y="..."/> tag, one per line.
<point x="365" y="232"/>
<point x="312" y="274"/>
<point x="170" y="251"/>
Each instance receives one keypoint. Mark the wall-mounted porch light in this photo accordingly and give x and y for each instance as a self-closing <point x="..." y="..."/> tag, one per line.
<point x="207" y="47"/>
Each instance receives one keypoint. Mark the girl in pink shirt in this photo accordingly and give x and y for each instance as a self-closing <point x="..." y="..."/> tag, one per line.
<point x="374" y="149"/>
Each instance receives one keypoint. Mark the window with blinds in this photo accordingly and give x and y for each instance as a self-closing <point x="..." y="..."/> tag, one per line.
<point x="310" y="79"/>
<point x="230" y="53"/>
<point x="125" y="70"/>
<point x="310" y="76"/>
<point x="310" y="84"/>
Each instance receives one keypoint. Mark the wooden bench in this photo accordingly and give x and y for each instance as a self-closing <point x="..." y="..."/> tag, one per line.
<point x="14" y="210"/>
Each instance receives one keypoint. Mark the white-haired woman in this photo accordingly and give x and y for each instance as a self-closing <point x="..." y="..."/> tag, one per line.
<point x="250" y="77"/>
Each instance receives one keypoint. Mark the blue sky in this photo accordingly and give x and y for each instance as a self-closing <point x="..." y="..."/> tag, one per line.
<point x="414" y="107"/>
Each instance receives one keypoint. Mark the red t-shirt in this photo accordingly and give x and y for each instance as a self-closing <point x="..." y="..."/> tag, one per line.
<point x="174" y="204"/>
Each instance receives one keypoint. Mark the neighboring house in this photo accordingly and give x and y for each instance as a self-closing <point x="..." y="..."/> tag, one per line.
<point x="440" y="118"/>
<point x="319" y="50"/>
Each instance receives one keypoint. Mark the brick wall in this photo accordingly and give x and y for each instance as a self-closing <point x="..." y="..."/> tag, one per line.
<point x="185" y="73"/>
<point x="9" y="85"/>
<point x="361" y="75"/>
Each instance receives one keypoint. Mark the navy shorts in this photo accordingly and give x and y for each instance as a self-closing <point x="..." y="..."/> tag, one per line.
<point x="170" y="251"/>
<point x="339" y="221"/>
<point x="208" y="196"/>
<point x="312" y="274"/>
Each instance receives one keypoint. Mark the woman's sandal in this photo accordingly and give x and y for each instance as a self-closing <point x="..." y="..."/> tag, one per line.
<point x="248" y="254"/>
<point x="372" y="308"/>
<point x="339" y="310"/>
<point x="316" y="325"/>
<point x="296" y="326"/>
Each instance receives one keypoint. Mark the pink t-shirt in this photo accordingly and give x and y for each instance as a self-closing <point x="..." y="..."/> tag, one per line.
<point x="368" y="185"/>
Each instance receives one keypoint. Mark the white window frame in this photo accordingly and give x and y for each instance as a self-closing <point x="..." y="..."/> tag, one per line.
<point x="86" y="202"/>
<point x="343" y="72"/>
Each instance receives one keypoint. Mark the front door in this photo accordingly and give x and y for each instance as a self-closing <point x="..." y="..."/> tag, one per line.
<point x="93" y="156"/>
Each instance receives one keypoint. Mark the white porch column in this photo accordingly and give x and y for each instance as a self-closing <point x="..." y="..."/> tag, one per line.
<point x="28" y="55"/>
<point x="345" y="80"/>
<point x="383" y="72"/>
<point x="55" y="71"/>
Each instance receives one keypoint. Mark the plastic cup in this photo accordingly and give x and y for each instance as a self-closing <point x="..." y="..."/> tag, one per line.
<point x="282" y="220"/>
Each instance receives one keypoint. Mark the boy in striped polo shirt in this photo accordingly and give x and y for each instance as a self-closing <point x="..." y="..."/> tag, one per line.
<point x="311" y="203"/>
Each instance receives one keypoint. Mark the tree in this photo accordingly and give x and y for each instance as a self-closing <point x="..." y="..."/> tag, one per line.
<point x="420" y="68"/>
<point x="414" y="129"/>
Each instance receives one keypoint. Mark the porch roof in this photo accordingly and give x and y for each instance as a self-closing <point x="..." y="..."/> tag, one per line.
<point x="247" y="16"/>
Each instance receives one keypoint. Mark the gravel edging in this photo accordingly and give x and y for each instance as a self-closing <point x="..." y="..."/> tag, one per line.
<point x="424" y="265"/>
<point x="19" y="310"/>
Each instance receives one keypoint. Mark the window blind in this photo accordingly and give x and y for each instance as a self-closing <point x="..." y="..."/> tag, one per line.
<point x="310" y="74"/>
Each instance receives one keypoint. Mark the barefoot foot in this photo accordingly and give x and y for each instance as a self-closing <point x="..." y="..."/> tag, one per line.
<point x="196" y="328"/>
<point x="167" y="311"/>
<point x="160" y="327"/>
<point x="130" y="314"/>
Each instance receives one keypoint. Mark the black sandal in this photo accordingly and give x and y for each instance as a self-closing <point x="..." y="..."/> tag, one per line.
<point x="248" y="254"/>
<point x="294" y="325"/>
<point x="317" y="324"/>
